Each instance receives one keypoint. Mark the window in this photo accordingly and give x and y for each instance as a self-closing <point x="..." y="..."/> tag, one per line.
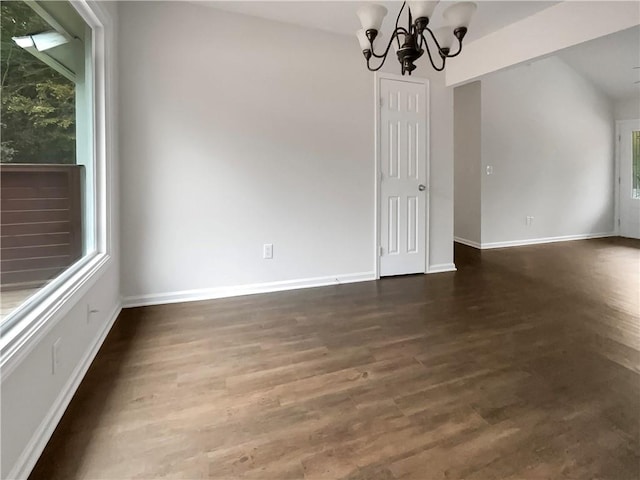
<point x="635" y="164"/>
<point x="47" y="160"/>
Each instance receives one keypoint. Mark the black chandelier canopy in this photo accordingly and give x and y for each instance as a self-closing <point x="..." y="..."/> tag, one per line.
<point x="411" y="42"/>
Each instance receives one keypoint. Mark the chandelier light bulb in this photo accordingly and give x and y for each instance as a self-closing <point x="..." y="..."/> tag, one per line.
<point x="444" y="36"/>
<point x="422" y="9"/>
<point x="371" y="16"/>
<point x="459" y="14"/>
<point x="363" y="40"/>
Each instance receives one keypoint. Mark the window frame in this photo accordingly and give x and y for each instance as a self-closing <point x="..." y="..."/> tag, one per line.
<point x="48" y="306"/>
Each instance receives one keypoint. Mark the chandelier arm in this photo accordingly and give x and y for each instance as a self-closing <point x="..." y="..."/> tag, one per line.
<point x="393" y="37"/>
<point x="448" y="55"/>
<point x="398" y="21"/>
<point x="451" y="55"/>
<point x="376" y="68"/>
<point x="435" y="40"/>
<point x="430" y="57"/>
<point x="423" y="42"/>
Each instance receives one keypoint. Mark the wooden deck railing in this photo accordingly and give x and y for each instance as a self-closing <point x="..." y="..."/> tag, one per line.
<point x="40" y="222"/>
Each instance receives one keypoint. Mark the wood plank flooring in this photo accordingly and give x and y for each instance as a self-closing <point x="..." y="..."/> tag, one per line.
<point x="524" y="364"/>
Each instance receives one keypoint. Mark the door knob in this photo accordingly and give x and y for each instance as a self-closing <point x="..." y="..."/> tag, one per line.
<point x="422" y="188"/>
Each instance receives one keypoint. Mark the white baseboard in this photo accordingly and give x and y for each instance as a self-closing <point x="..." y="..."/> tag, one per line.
<point x="468" y="243"/>
<point x="237" y="290"/>
<point x="536" y="241"/>
<point x="41" y="436"/>
<point x="533" y="241"/>
<point x="442" y="267"/>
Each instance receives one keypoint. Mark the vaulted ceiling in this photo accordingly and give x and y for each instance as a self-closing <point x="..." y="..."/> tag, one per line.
<point x="340" y="16"/>
<point x="608" y="62"/>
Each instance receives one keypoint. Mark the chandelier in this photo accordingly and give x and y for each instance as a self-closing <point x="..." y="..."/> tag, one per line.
<point x="411" y="42"/>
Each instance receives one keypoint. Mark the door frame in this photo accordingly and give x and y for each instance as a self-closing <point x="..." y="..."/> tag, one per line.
<point x="377" y="78"/>
<point x="616" y="181"/>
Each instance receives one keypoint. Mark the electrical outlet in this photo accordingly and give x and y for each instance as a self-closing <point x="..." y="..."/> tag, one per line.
<point x="267" y="251"/>
<point x="529" y="220"/>
<point x="489" y="170"/>
<point x="55" y="356"/>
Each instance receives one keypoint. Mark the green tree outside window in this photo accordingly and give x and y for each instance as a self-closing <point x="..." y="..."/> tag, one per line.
<point x="38" y="104"/>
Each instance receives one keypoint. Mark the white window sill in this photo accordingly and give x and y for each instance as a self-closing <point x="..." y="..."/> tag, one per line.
<point x="39" y="319"/>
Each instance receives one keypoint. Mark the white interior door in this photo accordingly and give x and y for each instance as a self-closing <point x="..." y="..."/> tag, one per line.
<point x="403" y="176"/>
<point x="629" y="189"/>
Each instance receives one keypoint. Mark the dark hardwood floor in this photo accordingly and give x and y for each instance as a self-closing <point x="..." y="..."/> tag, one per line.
<point x="524" y="364"/>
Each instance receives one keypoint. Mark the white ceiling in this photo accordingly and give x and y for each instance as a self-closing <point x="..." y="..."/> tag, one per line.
<point x="608" y="63"/>
<point x="340" y="16"/>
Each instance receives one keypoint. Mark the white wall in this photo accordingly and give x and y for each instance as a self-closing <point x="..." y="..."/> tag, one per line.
<point x="236" y="132"/>
<point x="628" y="109"/>
<point x="33" y="400"/>
<point x="549" y="134"/>
<point x="467" y="163"/>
